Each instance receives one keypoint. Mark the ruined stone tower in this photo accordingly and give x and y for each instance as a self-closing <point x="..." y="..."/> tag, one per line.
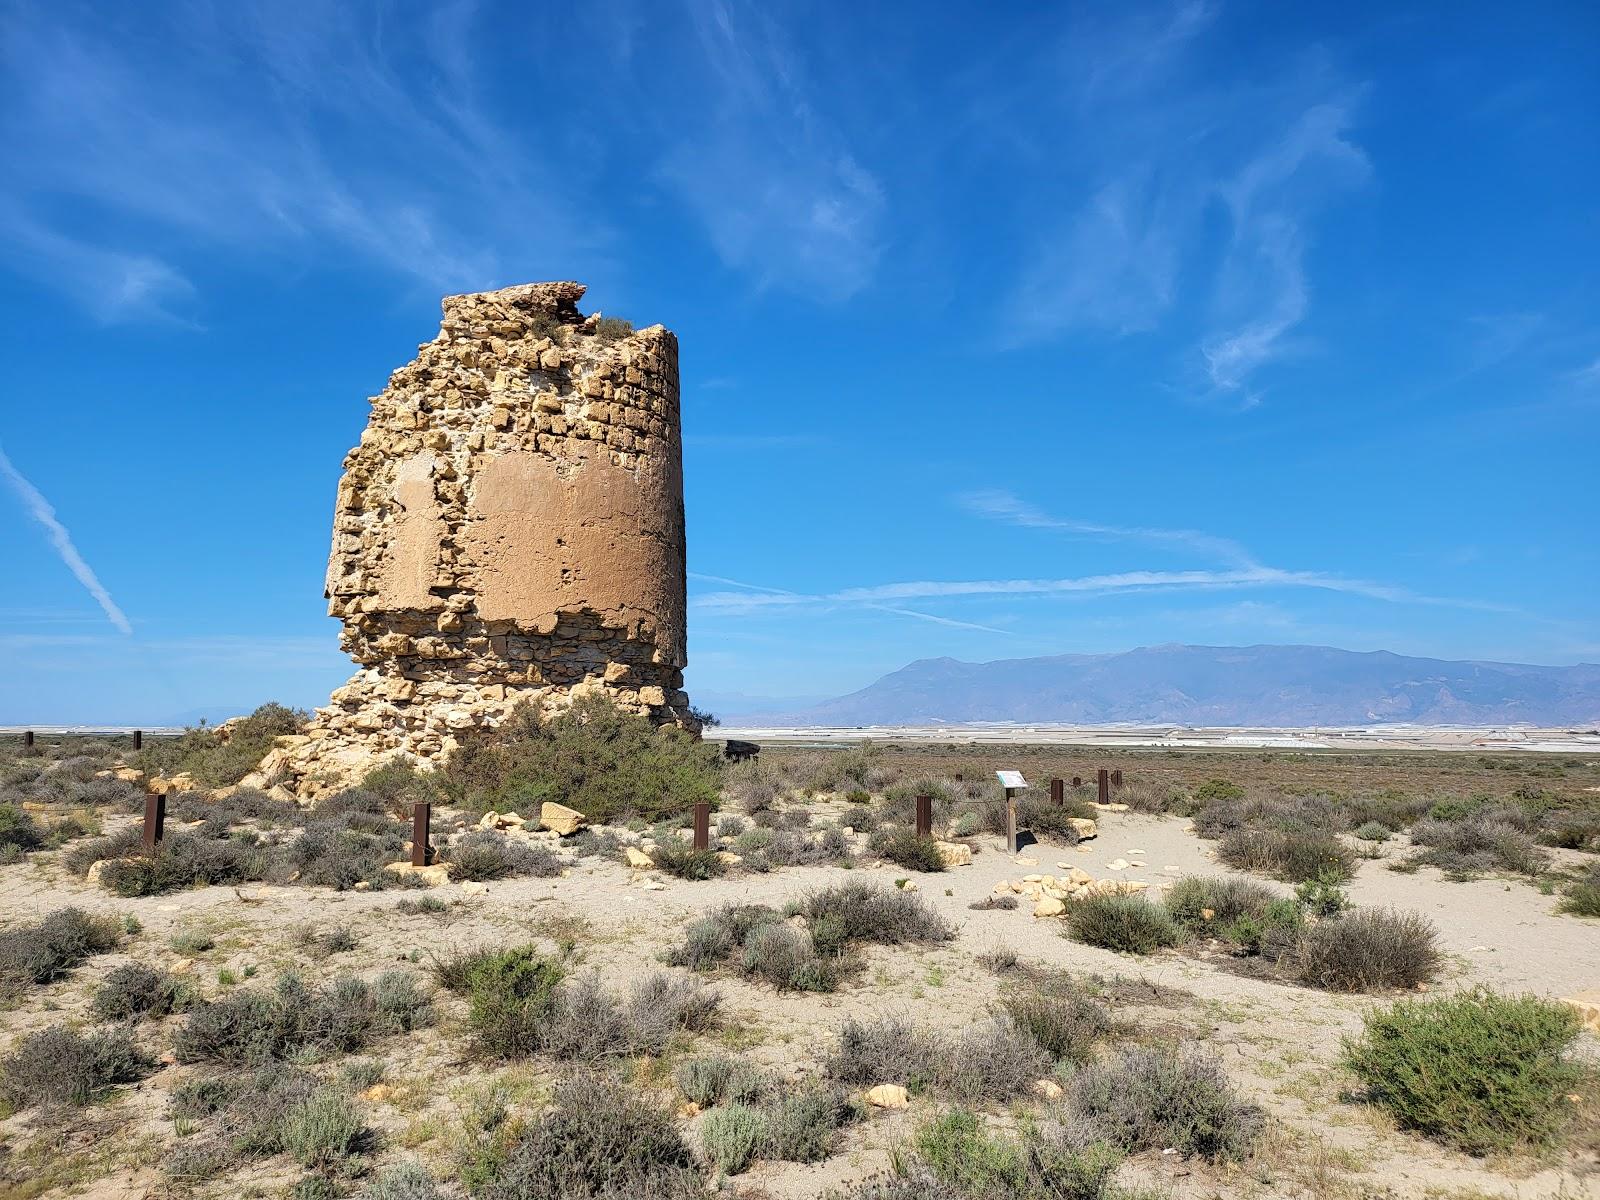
<point x="510" y="527"/>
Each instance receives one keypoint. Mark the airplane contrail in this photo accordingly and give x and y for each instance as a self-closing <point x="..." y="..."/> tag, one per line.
<point x="39" y="508"/>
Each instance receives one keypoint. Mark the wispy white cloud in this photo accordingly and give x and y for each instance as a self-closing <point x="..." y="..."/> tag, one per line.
<point x="1269" y="201"/>
<point x="271" y="135"/>
<point x="1106" y="584"/>
<point x="41" y="511"/>
<point x="1242" y="571"/>
<point x="1586" y="377"/>
<point x="1166" y="141"/>
<point x="769" y="177"/>
<point x="1004" y="506"/>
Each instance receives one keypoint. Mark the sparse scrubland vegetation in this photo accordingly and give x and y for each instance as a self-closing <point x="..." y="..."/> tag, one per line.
<point x="567" y="1034"/>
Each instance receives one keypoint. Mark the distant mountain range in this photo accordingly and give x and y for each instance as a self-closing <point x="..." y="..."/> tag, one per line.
<point x="1214" y="685"/>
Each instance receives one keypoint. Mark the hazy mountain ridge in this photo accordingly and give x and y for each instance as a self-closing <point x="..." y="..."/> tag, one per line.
<point x="1215" y="685"/>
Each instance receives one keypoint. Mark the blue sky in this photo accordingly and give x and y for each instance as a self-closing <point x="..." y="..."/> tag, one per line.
<point x="1007" y="329"/>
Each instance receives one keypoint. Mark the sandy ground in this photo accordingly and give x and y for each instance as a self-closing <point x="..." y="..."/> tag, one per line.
<point x="1279" y="1042"/>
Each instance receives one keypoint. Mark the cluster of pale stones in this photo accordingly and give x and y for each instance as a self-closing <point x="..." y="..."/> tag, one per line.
<point x="509" y="529"/>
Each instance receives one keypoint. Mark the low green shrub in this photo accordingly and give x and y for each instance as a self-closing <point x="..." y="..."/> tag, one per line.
<point x="485" y="855"/>
<point x="324" y="1129"/>
<point x="992" y="1061"/>
<point x="1323" y="896"/>
<point x="603" y="761"/>
<point x="867" y="912"/>
<point x="1155" y="1099"/>
<point x="1365" y="950"/>
<point x="804" y="1125"/>
<point x="257" y="1025"/>
<point x="1478" y="1071"/>
<point x="61" y="1066"/>
<point x="600" y="1138"/>
<point x="1213" y="790"/>
<point x="905" y="849"/>
<point x="1127" y="923"/>
<point x="755" y="939"/>
<point x="1064" y="1020"/>
<point x="181" y="861"/>
<point x="680" y="859"/>
<point x="402" y="1181"/>
<point x="588" y="1024"/>
<point x="962" y="1159"/>
<point x="1491" y="840"/>
<point x="732" y="1135"/>
<point x="512" y="994"/>
<point x="1582" y="896"/>
<point x="18" y="830"/>
<point x="134" y="990"/>
<point x="35" y="954"/>
<point x="214" y="758"/>
<point x="1207" y="904"/>
<point x="273" y="1109"/>
<point x="1292" y="855"/>
<point x="721" y="1078"/>
<point x="1373" y="831"/>
<point x="612" y="329"/>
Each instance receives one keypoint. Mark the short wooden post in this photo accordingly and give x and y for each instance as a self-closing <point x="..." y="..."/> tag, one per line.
<point x="421" y="819"/>
<point x="1116" y="778"/>
<point x="1104" y="780"/>
<point x="1077" y="781"/>
<point x="138" y="739"/>
<point x="1058" y="792"/>
<point x="155" y="820"/>
<point x="27" y="738"/>
<point x="958" y="776"/>
<point x="924" y="816"/>
<point x="702" y="826"/>
<point x="1011" y="820"/>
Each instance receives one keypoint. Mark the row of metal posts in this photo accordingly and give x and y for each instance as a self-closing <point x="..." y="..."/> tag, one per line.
<point x="138" y="739"/>
<point x="422" y="851"/>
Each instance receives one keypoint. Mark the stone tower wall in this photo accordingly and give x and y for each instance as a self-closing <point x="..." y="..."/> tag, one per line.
<point x="510" y="527"/>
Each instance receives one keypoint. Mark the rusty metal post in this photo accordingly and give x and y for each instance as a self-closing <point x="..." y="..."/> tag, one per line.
<point x="1058" y="792"/>
<point x="1116" y="778"/>
<point x="1103" y="779"/>
<point x="1011" y="820"/>
<point x="155" y="820"/>
<point x="1077" y="781"/>
<point x="702" y="826"/>
<point x="421" y="818"/>
<point x="138" y="739"/>
<point x="27" y="738"/>
<point x="924" y="816"/>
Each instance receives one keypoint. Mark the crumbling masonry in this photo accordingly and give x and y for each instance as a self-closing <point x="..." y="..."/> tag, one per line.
<point x="510" y="527"/>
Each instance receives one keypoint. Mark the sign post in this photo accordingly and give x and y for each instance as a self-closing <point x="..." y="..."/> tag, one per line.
<point x="1013" y="782"/>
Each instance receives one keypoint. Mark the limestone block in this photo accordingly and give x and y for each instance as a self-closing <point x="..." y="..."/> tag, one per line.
<point x="888" y="1095"/>
<point x="558" y="818"/>
<point x="1587" y="1004"/>
<point x="955" y="854"/>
